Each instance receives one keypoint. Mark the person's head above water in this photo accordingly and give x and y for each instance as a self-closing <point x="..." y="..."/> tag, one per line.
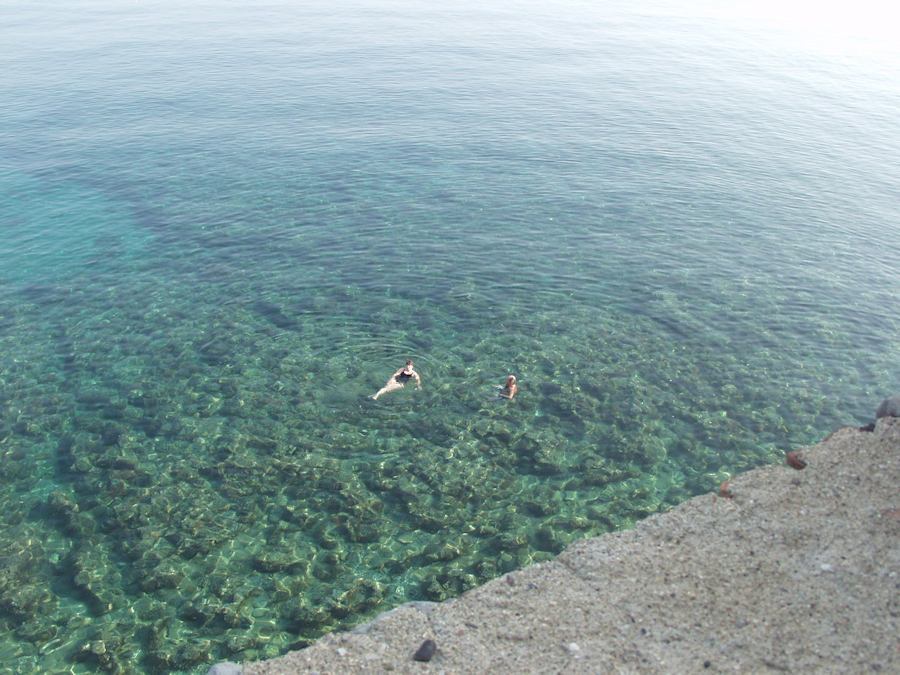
<point x="409" y="365"/>
<point x="509" y="389"/>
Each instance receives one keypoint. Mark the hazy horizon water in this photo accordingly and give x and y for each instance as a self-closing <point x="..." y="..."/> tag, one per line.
<point x="224" y="226"/>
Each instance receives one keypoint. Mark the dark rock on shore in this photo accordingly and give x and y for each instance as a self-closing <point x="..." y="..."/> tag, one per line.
<point x="890" y="407"/>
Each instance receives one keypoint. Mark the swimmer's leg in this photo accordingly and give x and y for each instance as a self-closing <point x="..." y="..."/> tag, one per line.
<point x="390" y="386"/>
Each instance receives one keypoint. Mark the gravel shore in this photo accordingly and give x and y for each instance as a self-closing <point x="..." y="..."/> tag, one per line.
<point x="797" y="571"/>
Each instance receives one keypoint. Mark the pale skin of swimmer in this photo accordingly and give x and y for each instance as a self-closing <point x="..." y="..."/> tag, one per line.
<point x="398" y="380"/>
<point x="510" y="389"/>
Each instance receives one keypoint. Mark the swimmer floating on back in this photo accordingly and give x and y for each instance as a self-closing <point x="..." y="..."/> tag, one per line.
<point x="510" y="388"/>
<point x="400" y="378"/>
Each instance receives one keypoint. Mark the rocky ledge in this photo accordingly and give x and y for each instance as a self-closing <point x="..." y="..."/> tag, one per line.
<point x="793" y="568"/>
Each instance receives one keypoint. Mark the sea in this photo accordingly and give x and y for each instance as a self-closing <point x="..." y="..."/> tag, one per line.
<point x="224" y="225"/>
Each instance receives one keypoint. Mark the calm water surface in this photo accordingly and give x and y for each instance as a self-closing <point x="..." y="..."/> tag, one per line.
<point x="224" y="225"/>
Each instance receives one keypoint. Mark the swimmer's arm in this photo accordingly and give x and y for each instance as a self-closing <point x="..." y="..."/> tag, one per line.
<point x="418" y="379"/>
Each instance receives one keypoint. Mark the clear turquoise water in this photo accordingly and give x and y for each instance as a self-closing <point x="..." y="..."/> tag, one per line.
<point x="224" y="226"/>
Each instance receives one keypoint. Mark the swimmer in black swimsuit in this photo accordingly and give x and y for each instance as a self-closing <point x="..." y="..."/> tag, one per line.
<point x="399" y="379"/>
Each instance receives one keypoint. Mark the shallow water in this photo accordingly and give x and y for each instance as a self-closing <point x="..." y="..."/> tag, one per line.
<point x="225" y="226"/>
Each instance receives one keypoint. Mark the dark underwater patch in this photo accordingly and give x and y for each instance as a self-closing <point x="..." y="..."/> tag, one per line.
<point x="274" y="314"/>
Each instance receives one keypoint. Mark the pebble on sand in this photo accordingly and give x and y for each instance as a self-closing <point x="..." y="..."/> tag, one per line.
<point x="425" y="651"/>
